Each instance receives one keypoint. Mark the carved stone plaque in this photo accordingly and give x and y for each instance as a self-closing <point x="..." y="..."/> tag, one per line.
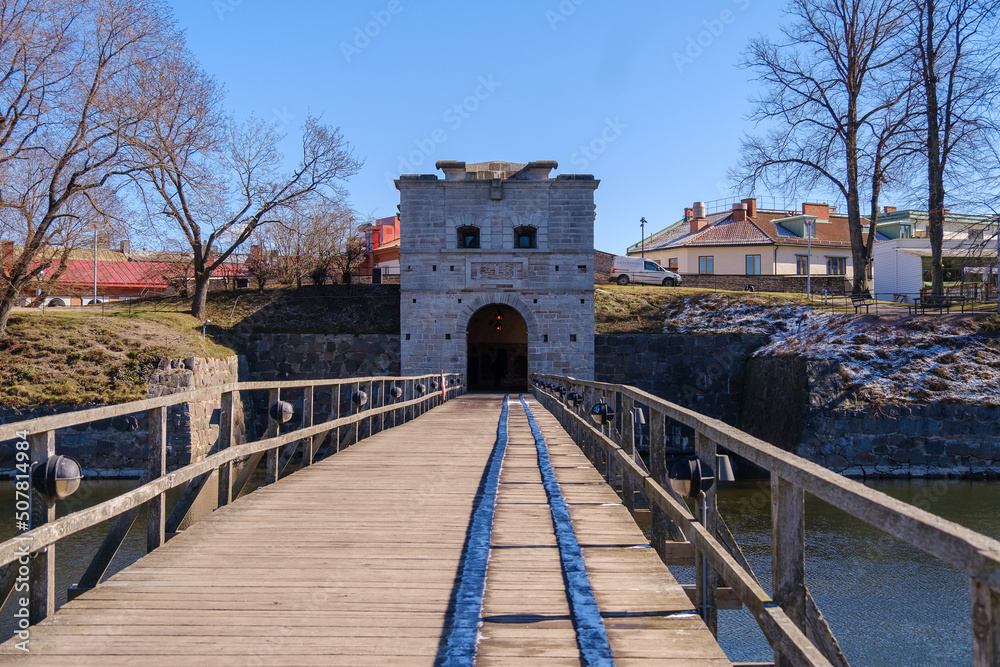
<point x="497" y="271"/>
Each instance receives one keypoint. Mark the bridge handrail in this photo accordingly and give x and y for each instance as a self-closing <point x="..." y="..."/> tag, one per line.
<point x="123" y="508"/>
<point x="68" y="419"/>
<point x="976" y="555"/>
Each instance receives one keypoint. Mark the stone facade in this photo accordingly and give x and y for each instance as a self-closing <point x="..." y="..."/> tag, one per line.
<point x="318" y="356"/>
<point x="551" y="285"/>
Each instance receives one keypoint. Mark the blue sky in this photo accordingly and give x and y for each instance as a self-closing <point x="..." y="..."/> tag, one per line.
<point x="644" y="95"/>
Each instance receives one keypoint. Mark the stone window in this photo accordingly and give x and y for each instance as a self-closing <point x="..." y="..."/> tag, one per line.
<point x="525" y="237"/>
<point x="468" y="237"/>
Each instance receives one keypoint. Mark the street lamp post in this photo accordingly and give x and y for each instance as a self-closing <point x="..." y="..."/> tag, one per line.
<point x="642" y="240"/>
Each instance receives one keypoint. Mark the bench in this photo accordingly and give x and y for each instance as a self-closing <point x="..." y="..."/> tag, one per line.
<point x="862" y="300"/>
<point x="938" y="303"/>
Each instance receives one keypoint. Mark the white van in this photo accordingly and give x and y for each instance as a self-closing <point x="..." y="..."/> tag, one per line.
<point x="625" y="270"/>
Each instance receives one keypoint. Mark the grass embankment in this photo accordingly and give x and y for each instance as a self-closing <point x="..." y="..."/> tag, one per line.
<point x="648" y="309"/>
<point x="80" y="356"/>
<point x="76" y="356"/>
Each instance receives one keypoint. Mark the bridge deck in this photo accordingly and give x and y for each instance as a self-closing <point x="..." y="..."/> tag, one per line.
<point x="354" y="561"/>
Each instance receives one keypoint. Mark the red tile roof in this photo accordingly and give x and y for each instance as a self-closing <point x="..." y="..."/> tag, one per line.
<point x="148" y="275"/>
<point x="760" y="229"/>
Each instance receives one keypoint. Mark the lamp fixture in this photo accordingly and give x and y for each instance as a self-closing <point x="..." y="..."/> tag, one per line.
<point x="498" y="320"/>
<point x="57" y="477"/>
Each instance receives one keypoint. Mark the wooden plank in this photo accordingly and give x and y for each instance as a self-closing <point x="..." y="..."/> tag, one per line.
<point x="227" y="427"/>
<point x="788" y="554"/>
<point x="42" y="569"/>
<point x="705" y="576"/>
<point x="156" y="466"/>
<point x="985" y="604"/>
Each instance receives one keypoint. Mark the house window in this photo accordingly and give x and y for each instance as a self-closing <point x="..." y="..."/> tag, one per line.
<point x="468" y="237"/>
<point x="802" y="265"/>
<point x="753" y="265"/>
<point x="525" y="237"/>
<point x="836" y="266"/>
<point x="672" y="263"/>
<point x="706" y="265"/>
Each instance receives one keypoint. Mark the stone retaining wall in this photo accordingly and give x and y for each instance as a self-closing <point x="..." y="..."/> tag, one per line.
<point x="802" y="406"/>
<point x="702" y="372"/>
<point x="318" y="356"/>
<point x="832" y="284"/>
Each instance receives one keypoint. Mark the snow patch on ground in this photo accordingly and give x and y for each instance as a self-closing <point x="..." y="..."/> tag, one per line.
<point x="888" y="359"/>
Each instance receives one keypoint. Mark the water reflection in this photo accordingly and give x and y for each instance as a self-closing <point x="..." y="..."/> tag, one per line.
<point x="887" y="602"/>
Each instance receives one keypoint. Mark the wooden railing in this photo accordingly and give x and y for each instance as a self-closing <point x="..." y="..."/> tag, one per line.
<point x="790" y="620"/>
<point x="30" y="556"/>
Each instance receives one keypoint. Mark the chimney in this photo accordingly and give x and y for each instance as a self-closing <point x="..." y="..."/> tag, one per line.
<point x="739" y="212"/>
<point x="8" y="253"/>
<point x="255" y="250"/>
<point x="821" y="211"/>
<point x="688" y="213"/>
<point x="751" y="206"/>
<point x="889" y="209"/>
<point x="125" y="247"/>
<point x="698" y="221"/>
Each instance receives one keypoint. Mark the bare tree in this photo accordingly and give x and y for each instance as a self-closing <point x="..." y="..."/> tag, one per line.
<point x="837" y="109"/>
<point x="68" y="107"/>
<point x="956" y="64"/>
<point x="218" y="180"/>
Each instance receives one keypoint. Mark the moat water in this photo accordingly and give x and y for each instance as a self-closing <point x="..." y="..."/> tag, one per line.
<point x="888" y="603"/>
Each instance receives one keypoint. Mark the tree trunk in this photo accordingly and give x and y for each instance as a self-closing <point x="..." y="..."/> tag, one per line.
<point x="6" y="306"/>
<point x="200" y="294"/>
<point x="858" y="260"/>
<point x="935" y="170"/>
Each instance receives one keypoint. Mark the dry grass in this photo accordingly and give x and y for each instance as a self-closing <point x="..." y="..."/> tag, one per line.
<point x="78" y="357"/>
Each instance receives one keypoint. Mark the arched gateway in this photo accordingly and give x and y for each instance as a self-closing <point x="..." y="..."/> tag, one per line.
<point x="497" y="238"/>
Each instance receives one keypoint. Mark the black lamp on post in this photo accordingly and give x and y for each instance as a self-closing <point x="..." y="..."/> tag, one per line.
<point x="642" y="240"/>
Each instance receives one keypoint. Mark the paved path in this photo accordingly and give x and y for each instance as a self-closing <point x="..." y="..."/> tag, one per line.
<point x="358" y="560"/>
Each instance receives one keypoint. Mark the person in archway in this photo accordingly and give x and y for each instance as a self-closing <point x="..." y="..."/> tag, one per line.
<point x="499" y="368"/>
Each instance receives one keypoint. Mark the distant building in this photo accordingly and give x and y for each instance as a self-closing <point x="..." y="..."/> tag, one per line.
<point x="902" y="262"/>
<point x="743" y="245"/>
<point x="120" y="274"/>
<point x="382" y="245"/>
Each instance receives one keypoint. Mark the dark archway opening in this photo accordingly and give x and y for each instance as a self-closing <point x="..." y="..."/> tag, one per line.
<point x="497" y="342"/>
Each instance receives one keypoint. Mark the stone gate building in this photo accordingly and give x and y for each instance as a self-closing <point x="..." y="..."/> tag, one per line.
<point x="496" y="272"/>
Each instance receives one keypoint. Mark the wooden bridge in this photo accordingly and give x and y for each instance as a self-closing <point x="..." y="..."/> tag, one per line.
<point x="480" y="529"/>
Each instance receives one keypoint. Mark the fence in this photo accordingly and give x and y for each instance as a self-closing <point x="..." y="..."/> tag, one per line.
<point x="790" y="620"/>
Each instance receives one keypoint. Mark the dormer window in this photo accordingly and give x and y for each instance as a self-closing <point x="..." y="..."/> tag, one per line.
<point x="468" y="237"/>
<point x="525" y="237"/>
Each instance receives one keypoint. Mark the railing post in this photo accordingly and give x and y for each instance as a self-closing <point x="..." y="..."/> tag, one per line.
<point x="227" y="422"/>
<point x="273" y="396"/>
<point x="156" y="465"/>
<point x="788" y="559"/>
<point x="335" y="414"/>
<point x="308" y="444"/>
<point x="628" y="444"/>
<point x="42" y="572"/>
<point x="707" y="579"/>
<point x="985" y="625"/>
